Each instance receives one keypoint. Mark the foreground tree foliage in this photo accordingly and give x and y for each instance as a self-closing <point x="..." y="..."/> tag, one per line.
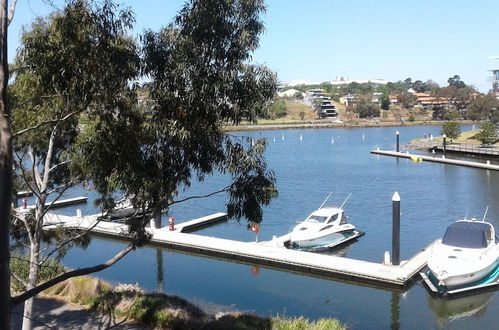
<point x="76" y="60"/>
<point x="76" y="120"/>
<point x="200" y="80"/>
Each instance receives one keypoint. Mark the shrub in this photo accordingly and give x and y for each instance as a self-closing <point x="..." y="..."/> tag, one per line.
<point x="302" y="323"/>
<point x="487" y="134"/>
<point x="20" y="267"/>
<point x="278" y="109"/>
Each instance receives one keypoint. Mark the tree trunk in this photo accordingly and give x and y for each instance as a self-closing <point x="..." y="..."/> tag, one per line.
<point x="5" y="175"/>
<point x="34" y="260"/>
<point x="156" y="218"/>
<point x="32" y="280"/>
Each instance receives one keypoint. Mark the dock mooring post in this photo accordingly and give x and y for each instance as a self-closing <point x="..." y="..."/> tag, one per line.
<point x="396" y="229"/>
<point x="398" y="140"/>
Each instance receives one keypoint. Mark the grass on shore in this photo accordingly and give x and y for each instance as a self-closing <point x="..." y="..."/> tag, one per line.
<point x="169" y="312"/>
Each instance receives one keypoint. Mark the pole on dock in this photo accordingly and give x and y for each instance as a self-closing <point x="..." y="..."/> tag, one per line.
<point x="396" y="229"/>
<point x="444" y="146"/>
<point x="398" y="140"/>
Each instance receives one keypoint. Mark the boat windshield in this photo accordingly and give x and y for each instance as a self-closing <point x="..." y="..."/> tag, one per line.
<point x="316" y="218"/>
<point x="467" y="235"/>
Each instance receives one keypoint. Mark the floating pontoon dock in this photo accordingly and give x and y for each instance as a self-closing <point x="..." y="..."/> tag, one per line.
<point x="63" y="202"/>
<point x="435" y="159"/>
<point x="268" y="254"/>
<point x="199" y="223"/>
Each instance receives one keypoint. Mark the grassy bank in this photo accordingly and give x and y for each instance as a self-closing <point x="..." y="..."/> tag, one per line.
<point x="292" y="120"/>
<point x="162" y="311"/>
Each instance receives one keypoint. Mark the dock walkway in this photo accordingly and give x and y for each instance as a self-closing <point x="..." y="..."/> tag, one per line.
<point x="435" y="159"/>
<point x="263" y="254"/>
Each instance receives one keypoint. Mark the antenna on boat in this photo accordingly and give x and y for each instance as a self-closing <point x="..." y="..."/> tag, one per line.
<point x="486" y="210"/>
<point x="326" y="200"/>
<point x="466" y="215"/>
<point x="344" y="202"/>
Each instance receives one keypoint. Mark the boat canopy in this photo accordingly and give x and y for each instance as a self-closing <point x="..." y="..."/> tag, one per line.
<point x="471" y="235"/>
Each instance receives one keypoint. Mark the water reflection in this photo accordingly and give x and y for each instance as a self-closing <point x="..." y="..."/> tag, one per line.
<point x="448" y="310"/>
<point x="159" y="270"/>
<point x="340" y="251"/>
<point x="395" y="310"/>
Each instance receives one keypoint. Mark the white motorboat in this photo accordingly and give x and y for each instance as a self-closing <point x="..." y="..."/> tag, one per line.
<point x="467" y="253"/>
<point x="326" y="226"/>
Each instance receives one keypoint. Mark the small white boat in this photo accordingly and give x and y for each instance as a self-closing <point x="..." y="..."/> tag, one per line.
<point x="467" y="253"/>
<point x="326" y="226"/>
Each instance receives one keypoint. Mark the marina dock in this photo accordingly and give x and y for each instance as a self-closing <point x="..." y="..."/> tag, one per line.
<point x="269" y="254"/>
<point x="199" y="223"/>
<point x="435" y="159"/>
<point x="63" y="202"/>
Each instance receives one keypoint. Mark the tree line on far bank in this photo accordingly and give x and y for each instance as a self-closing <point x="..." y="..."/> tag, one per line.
<point x="455" y="101"/>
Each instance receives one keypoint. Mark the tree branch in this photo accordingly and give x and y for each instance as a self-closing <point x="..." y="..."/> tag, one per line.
<point x="52" y="121"/>
<point x="19" y="279"/>
<point x="60" y="164"/>
<point x="202" y="196"/>
<point x="24" y="176"/>
<point x="79" y="272"/>
<point x="28" y="229"/>
<point x="12" y="10"/>
<point x="60" y="246"/>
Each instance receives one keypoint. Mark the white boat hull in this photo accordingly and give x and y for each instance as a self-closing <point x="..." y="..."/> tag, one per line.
<point x="453" y="267"/>
<point x="464" y="279"/>
<point x="322" y="241"/>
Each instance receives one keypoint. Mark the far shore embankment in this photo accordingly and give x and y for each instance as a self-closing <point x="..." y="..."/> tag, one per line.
<point x="318" y="124"/>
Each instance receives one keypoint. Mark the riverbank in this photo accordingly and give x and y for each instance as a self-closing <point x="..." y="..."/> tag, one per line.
<point x="89" y="303"/>
<point x="325" y="123"/>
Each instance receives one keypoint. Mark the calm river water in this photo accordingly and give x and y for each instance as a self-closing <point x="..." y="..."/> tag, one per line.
<point x="307" y="170"/>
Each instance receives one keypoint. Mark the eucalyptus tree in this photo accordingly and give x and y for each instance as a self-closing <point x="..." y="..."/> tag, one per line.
<point x="76" y="120"/>
<point x="200" y="79"/>
<point x="76" y="63"/>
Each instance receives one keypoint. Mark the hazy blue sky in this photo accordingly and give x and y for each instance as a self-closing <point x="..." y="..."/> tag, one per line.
<point x="360" y="39"/>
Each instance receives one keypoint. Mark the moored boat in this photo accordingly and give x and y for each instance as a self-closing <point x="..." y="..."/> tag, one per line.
<point x="467" y="253"/>
<point x="326" y="226"/>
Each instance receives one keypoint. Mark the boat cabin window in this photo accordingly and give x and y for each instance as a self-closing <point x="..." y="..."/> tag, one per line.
<point x="343" y="219"/>
<point x="468" y="235"/>
<point x="316" y="218"/>
<point x="333" y="218"/>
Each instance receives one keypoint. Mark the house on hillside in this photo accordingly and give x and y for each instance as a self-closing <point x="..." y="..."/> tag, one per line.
<point x="312" y="96"/>
<point x="290" y="93"/>
<point x="327" y="110"/>
<point x="348" y="99"/>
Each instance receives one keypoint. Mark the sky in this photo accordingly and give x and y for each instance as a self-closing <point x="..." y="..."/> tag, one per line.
<point x="319" y="40"/>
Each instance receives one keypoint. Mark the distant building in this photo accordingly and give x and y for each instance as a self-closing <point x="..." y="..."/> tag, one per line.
<point x="495" y="78"/>
<point x="345" y="81"/>
<point x="327" y="110"/>
<point x="314" y="94"/>
<point x="290" y="93"/>
<point x="347" y="99"/>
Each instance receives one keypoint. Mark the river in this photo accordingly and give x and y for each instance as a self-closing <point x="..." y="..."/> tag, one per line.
<point x="309" y="164"/>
